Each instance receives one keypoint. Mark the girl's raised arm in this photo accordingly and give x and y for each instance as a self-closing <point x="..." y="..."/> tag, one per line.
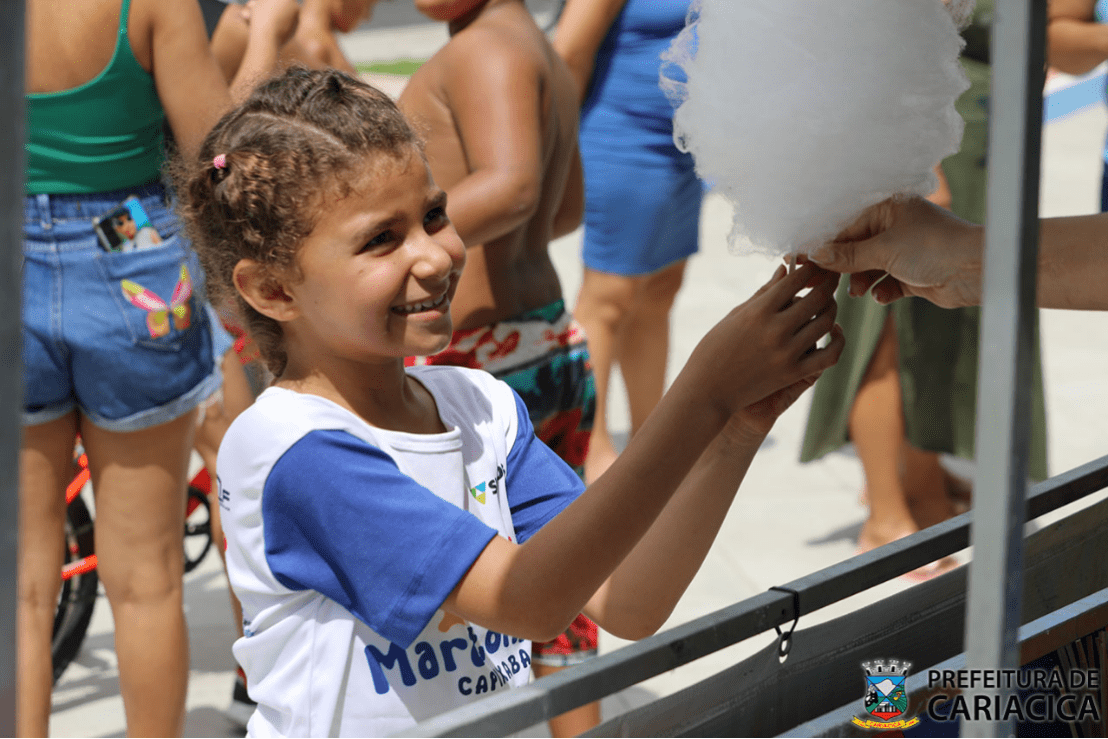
<point x="757" y="350"/>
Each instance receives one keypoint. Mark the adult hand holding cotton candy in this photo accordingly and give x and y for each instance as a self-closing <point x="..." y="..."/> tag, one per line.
<point x="805" y="112"/>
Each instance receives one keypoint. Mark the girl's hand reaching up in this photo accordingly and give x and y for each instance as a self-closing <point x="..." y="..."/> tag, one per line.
<point x="758" y="360"/>
<point x="751" y="424"/>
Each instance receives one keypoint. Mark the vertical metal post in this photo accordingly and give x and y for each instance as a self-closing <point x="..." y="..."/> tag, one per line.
<point x="11" y="375"/>
<point x="1004" y="382"/>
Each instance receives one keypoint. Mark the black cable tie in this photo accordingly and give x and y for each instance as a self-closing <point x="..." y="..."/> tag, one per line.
<point x="785" y="642"/>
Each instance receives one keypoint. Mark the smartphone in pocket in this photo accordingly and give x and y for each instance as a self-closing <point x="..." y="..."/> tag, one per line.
<point x="126" y="227"/>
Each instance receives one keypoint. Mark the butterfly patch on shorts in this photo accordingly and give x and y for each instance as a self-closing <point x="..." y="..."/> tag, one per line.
<point x="157" y="312"/>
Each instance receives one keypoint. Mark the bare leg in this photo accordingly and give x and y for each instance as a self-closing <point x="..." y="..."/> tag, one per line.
<point x="602" y="306"/>
<point x="139" y="481"/>
<point x="901" y="481"/>
<point x="570" y="723"/>
<point x="45" y="468"/>
<point x="925" y="483"/>
<point x="877" y="429"/>
<point x="644" y="340"/>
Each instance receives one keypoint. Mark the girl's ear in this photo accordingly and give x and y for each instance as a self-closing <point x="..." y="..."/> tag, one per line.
<point x="265" y="294"/>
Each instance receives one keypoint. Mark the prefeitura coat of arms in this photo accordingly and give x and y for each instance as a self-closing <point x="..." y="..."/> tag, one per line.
<point x="886" y="696"/>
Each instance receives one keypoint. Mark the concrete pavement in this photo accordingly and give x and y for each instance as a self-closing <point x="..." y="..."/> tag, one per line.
<point x="788" y="519"/>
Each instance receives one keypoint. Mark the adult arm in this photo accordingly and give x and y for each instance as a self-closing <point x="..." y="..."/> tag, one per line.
<point x="1073" y="262"/>
<point x="580" y="31"/>
<point x="930" y="253"/>
<point x="1076" y="43"/>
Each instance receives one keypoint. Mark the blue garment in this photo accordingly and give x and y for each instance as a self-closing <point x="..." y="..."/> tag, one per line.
<point x="87" y="342"/>
<point x="328" y="540"/>
<point x="642" y="196"/>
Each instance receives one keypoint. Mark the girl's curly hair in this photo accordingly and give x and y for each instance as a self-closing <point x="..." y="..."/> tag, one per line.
<point x="263" y="173"/>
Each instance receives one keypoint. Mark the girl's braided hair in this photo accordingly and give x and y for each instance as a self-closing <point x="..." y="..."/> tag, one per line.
<point x="266" y="170"/>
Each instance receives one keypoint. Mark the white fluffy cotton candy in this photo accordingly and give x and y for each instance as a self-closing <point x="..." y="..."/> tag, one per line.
<point x="805" y="112"/>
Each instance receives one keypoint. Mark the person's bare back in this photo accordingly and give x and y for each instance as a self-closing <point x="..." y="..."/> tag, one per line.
<point x="499" y="111"/>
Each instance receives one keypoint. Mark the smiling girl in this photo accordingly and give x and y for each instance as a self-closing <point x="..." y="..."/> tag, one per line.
<point x="398" y="536"/>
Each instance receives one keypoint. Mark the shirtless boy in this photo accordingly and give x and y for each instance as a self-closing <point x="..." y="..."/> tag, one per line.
<point x="499" y="111"/>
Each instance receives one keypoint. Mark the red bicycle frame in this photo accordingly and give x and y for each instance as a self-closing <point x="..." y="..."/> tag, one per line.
<point x="202" y="481"/>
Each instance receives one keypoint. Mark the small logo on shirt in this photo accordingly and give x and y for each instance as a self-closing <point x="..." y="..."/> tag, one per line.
<point x="492" y="486"/>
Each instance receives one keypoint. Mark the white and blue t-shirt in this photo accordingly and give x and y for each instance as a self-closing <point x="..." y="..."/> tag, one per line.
<point x="343" y="540"/>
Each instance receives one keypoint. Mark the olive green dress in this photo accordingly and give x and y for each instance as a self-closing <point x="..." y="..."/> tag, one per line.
<point x="937" y="348"/>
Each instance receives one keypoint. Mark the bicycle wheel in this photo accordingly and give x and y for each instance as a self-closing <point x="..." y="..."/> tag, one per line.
<point x="78" y="594"/>
<point x="198" y="528"/>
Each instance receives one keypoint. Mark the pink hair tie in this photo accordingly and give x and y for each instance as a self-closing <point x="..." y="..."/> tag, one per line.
<point x="220" y="161"/>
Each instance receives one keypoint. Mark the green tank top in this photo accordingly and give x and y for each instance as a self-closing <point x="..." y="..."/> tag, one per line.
<point x="106" y="134"/>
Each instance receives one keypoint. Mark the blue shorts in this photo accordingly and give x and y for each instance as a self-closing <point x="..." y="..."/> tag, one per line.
<point x="123" y="336"/>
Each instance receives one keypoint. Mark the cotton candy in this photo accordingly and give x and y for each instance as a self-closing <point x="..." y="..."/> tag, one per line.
<point x="805" y="112"/>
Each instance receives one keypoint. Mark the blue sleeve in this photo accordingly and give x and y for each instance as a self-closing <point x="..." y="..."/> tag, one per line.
<point x="540" y="484"/>
<point x="341" y="519"/>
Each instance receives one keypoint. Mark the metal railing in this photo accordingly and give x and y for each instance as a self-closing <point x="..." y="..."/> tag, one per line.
<point x="607" y="674"/>
<point x="1007" y="338"/>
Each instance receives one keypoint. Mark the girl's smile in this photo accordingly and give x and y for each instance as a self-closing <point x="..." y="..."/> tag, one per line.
<point x="439" y="304"/>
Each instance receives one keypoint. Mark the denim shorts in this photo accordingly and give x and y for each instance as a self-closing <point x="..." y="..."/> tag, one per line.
<point x="125" y="337"/>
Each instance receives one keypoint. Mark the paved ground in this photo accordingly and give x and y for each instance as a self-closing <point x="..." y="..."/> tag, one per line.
<point x="788" y="519"/>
